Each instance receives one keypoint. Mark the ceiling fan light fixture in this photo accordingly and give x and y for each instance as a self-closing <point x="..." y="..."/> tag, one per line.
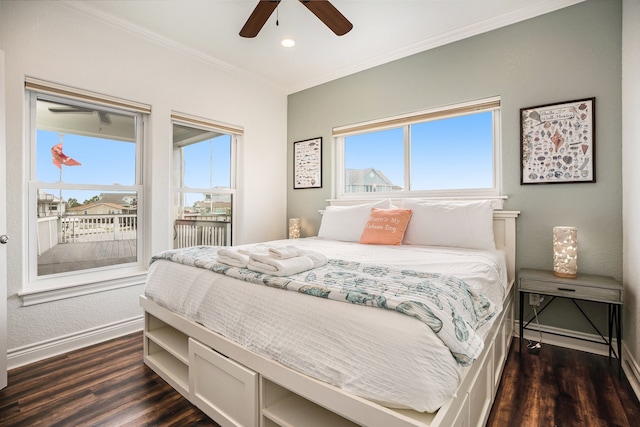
<point x="288" y="42"/>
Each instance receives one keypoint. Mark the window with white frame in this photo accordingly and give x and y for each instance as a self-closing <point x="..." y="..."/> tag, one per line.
<point x="204" y="159"/>
<point x="85" y="189"/>
<point x="452" y="151"/>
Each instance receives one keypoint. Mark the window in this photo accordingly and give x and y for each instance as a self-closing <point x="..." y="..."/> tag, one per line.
<point x="204" y="155"/>
<point x="85" y="188"/>
<point x="450" y="151"/>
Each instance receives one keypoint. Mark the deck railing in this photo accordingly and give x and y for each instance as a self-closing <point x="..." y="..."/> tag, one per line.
<point x="97" y="228"/>
<point x="85" y="228"/>
<point x="193" y="232"/>
<point x="47" y="233"/>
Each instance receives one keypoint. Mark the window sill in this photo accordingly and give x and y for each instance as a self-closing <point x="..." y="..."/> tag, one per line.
<point x="41" y="296"/>
<point x="497" y="201"/>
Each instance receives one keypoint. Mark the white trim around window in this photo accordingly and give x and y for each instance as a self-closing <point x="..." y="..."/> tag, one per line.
<point x="404" y="121"/>
<point x="41" y="289"/>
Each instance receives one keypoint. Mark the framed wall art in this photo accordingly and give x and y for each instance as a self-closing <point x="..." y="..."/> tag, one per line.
<point x="307" y="163"/>
<point x="558" y="143"/>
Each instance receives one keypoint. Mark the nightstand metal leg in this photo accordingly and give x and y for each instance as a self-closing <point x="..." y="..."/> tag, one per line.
<point x="610" y="314"/>
<point x="615" y="325"/>
<point x="617" y="317"/>
<point x="521" y="318"/>
<point x="619" y="339"/>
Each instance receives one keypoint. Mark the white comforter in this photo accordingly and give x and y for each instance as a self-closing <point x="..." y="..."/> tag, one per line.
<point x="373" y="353"/>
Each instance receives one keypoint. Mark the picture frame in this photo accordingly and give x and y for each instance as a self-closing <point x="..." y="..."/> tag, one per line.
<point x="557" y="143"/>
<point x="307" y="163"/>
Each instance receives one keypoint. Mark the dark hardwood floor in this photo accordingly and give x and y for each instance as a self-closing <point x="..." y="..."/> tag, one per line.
<point x="102" y="385"/>
<point x="108" y="385"/>
<point x="560" y="387"/>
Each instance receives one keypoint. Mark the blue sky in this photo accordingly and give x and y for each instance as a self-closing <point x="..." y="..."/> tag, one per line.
<point x="447" y="153"/>
<point x="199" y="173"/>
<point x="199" y="157"/>
<point x="103" y="161"/>
<point x="108" y="162"/>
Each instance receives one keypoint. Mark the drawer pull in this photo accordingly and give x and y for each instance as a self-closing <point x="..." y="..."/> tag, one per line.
<point x="566" y="290"/>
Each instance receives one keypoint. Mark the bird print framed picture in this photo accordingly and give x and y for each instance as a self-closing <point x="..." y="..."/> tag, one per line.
<point x="558" y="143"/>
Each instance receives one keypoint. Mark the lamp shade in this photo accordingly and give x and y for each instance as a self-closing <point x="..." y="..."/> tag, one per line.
<point x="565" y="251"/>
<point x="294" y="228"/>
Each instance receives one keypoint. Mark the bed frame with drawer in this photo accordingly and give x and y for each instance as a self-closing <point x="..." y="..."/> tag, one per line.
<point x="237" y="387"/>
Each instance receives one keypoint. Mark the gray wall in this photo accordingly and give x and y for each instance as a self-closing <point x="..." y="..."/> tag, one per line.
<point x="569" y="54"/>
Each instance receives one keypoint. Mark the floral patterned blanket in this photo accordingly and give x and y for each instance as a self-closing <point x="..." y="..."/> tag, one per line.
<point x="446" y="304"/>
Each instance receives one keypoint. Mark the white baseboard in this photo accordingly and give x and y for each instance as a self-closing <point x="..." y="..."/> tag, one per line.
<point x="42" y="350"/>
<point x="631" y="369"/>
<point x="574" y="340"/>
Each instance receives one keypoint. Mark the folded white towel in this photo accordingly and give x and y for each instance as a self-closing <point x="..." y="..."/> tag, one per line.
<point x="279" y="267"/>
<point x="285" y="267"/>
<point x="257" y="249"/>
<point x="318" y="259"/>
<point x="285" y="252"/>
<point x="233" y="257"/>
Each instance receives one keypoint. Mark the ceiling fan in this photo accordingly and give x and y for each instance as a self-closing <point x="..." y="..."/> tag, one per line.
<point x="102" y="115"/>
<point x="323" y="9"/>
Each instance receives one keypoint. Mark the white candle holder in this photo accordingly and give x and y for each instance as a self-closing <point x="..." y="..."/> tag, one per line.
<point x="565" y="252"/>
<point x="294" y="228"/>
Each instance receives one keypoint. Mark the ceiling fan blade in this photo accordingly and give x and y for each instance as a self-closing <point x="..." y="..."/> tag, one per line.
<point x="258" y="18"/>
<point x="329" y="15"/>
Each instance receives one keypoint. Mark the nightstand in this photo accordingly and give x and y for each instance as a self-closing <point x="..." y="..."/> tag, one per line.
<point x="585" y="287"/>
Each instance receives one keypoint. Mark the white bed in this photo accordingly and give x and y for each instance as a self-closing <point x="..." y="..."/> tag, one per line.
<point x="245" y="362"/>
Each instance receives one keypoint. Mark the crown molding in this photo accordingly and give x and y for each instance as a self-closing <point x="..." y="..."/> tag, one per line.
<point x="98" y="15"/>
<point x="535" y="9"/>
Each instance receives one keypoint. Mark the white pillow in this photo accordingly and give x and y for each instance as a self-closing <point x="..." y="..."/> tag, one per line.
<point x="346" y="223"/>
<point x="457" y="224"/>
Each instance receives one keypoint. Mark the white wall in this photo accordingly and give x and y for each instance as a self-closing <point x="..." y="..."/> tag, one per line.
<point x="51" y="42"/>
<point x="631" y="179"/>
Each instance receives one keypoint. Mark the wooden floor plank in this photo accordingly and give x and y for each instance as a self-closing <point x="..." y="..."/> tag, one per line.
<point x="563" y="387"/>
<point x="108" y="385"/>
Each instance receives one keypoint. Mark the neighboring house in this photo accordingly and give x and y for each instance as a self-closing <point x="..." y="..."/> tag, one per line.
<point x="127" y="201"/>
<point x="368" y="180"/>
<point x="213" y="205"/>
<point x="209" y="207"/>
<point x="49" y="205"/>
<point x="97" y="208"/>
<point x="108" y="203"/>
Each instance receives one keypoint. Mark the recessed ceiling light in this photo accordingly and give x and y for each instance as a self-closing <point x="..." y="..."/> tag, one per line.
<point x="288" y="42"/>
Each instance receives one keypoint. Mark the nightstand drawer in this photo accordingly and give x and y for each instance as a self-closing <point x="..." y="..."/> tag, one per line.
<point x="570" y="291"/>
